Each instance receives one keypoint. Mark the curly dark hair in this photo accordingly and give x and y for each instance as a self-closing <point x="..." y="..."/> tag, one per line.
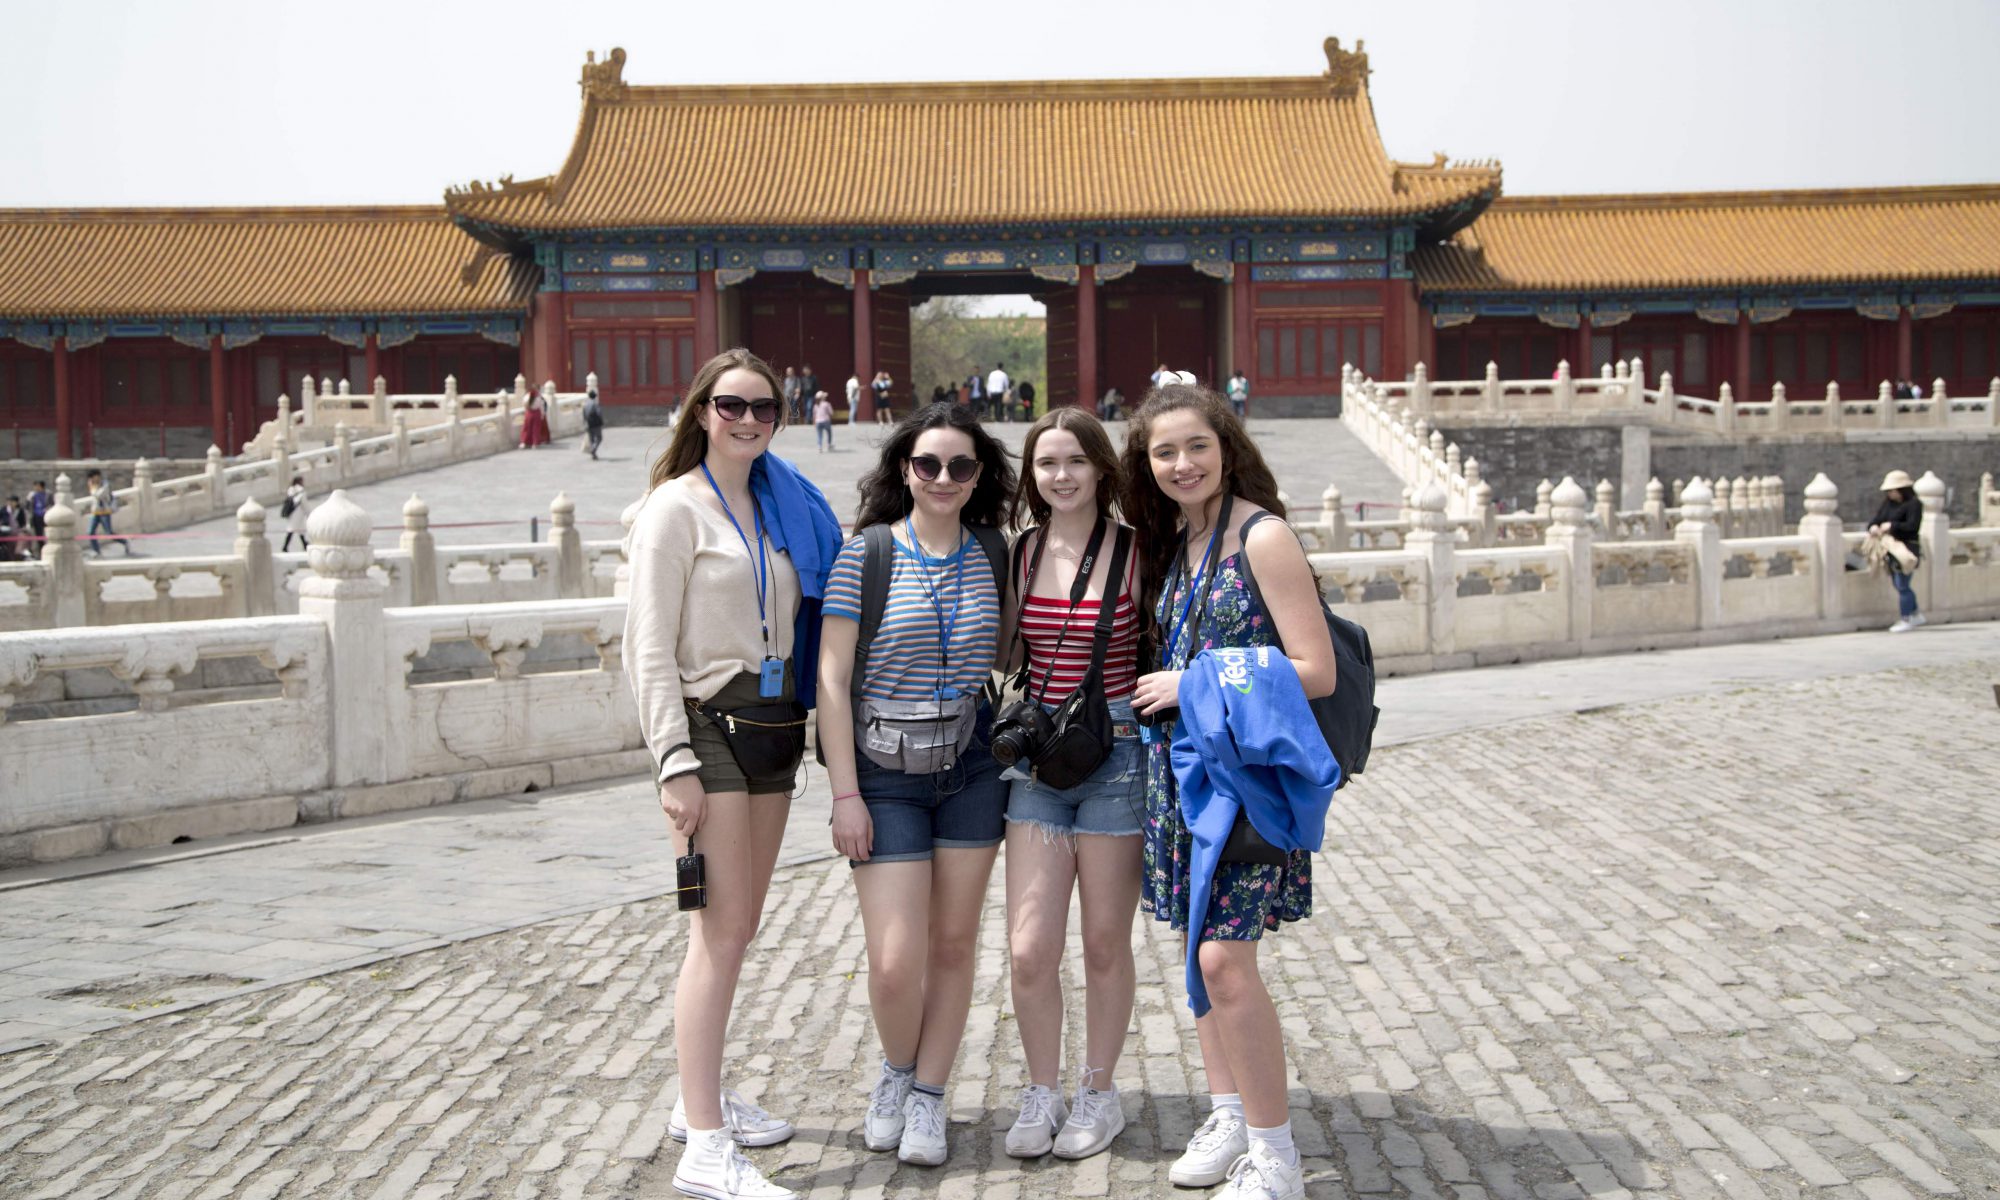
<point x="1155" y="516"/>
<point x="885" y="498"/>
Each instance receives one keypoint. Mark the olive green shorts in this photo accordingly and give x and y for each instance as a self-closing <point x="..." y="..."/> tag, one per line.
<point x="719" y="772"/>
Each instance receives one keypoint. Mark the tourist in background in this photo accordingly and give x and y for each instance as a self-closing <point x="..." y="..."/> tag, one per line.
<point x="103" y="502"/>
<point x="1084" y="837"/>
<point x="11" y="537"/>
<point x="294" y="510"/>
<point x="918" y="801"/>
<point x="39" y="503"/>
<point x="997" y="385"/>
<point x="975" y="394"/>
<point x="808" y="388"/>
<point x="1024" y="391"/>
<point x="1112" y="406"/>
<point x="534" y="422"/>
<point x="822" y="422"/>
<point x="727" y="554"/>
<point x="1193" y="478"/>
<point x="793" y="392"/>
<point x="884" y="410"/>
<point x="1239" y="394"/>
<point x="1899" y="520"/>
<point x="593" y="423"/>
<point x="853" y="397"/>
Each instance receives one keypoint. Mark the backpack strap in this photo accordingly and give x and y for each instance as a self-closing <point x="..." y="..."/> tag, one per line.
<point x="1250" y="576"/>
<point x="994" y="543"/>
<point x="877" y="550"/>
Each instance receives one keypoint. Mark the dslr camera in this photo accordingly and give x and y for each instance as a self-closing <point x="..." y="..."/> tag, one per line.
<point x="1063" y="747"/>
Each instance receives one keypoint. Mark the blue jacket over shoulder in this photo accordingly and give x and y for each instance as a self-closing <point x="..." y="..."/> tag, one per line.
<point x="800" y="523"/>
<point x="1246" y="740"/>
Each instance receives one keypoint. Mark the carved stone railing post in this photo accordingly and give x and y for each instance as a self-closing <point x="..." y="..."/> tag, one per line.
<point x="308" y="400"/>
<point x="260" y="590"/>
<point x="1821" y="526"/>
<point x="1781" y="411"/>
<point x="1698" y="532"/>
<point x="420" y="547"/>
<point x="1774" y="493"/>
<point x="362" y="748"/>
<point x="1333" y="518"/>
<point x="1989" y="501"/>
<point x="1669" y="406"/>
<point x="1606" y="509"/>
<point x="1569" y="533"/>
<point x="1565" y="396"/>
<point x="1432" y="540"/>
<point x="1935" y="537"/>
<point x="146" y="492"/>
<point x="549" y="410"/>
<point x="68" y="600"/>
<point x="1544" y="498"/>
<point x="1492" y="387"/>
<point x="1993" y="403"/>
<point x="401" y="430"/>
<point x="218" y="488"/>
<point x="1885" y="405"/>
<point x="1836" y="408"/>
<point x="1940" y="403"/>
<point x="378" y="403"/>
<point x="621" y="580"/>
<point x="1655" y="509"/>
<point x="1420" y="389"/>
<point x="569" y="547"/>
<point x="1725" y="506"/>
<point x="1725" y="409"/>
<point x="343" y="452"/>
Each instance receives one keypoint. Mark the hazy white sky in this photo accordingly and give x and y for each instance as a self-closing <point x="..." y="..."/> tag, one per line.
<point x="117" y="102"/>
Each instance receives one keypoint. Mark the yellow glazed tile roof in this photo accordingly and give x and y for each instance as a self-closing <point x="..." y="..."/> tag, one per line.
<point x="249" y="262"/>
<point x="944" y="154"/>
<point x="1721" y="239"/>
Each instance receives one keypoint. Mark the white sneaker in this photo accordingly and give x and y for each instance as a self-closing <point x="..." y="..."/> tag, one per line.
<point x="882" y="1128"/>
<point x="747" y="1123"/>
<point x="923" y="1130"/>
<point x="1917" y="618"/>
<point x="1034" y="1131"/>
<point x="1221" y="1140"/>
<point x="1902" y="626"/>
<point x="1096" y="1119"/>
<point x="713" y="1167"/>
<point x="1258" y="1175"/>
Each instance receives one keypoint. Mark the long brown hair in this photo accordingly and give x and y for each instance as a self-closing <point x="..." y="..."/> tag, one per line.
<point x="1156" y="518"/>
<point x="1096" y="444"/>
<point x="690" y="442"/>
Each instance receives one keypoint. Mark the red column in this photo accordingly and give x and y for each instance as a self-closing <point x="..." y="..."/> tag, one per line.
<point x="551" y="339"/>
<point x="1427" y="342"/>
<point x="1740" y="370"/>
<point x="1904" y="368"/>
<point x="706" y="331"/>
<point x="64" y="447"/>
<point x="371" y="352"/>
<point x="1245" y="349"/>
<point x="1397" y="355"/>
<point x="218" y="391"/>
<point x="864" y="347"/>
<point x="1086" y="337"/>
<point x="1579" y="363"/>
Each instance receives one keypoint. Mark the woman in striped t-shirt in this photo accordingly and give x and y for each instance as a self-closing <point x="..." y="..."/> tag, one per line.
<point x="1085" y="837"/>
<point x="922" y="845"/>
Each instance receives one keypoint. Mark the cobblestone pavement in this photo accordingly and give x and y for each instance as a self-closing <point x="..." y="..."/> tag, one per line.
<point x="1740" y="944"/>
<point x="509" y="488"/>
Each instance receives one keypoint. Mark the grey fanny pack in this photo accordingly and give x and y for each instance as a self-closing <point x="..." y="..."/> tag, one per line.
<point x="916" y="737"/>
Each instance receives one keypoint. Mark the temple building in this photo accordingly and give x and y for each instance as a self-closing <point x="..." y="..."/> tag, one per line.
<point x="1212" y="224"/>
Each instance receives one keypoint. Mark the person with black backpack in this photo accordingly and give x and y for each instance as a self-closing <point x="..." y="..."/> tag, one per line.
<point x="1192" y="477"/>
<point x="905" y="730"/>
<point x="1077" y="803"/>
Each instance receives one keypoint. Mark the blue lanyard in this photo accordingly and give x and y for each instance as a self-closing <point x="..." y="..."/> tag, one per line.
<point x="1196" y="585"/>
<point x="763" y="571"/>
<point x="937" y="603"/>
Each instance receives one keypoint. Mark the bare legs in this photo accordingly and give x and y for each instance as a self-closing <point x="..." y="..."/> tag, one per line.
<point x="1242" y="1045"/>
<point x="739" y="837"/>
<point x="920" y="958"/>
<point x="1040" y="873"/>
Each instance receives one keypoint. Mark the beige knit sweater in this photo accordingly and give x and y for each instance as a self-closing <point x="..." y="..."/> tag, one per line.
<point x="691" y="614"/>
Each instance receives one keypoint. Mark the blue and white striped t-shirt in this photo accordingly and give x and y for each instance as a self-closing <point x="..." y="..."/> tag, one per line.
<point x="903" y="662"/>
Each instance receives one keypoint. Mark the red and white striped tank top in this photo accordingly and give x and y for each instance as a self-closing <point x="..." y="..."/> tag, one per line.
<point x="1042" y="626"/>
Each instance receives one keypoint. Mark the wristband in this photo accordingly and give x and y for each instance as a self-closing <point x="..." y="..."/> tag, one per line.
<point x="847" y="795"/>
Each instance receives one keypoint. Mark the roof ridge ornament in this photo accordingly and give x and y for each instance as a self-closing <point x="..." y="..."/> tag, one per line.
<point x="1346" y="70"/>
<point x="604" y="80"/>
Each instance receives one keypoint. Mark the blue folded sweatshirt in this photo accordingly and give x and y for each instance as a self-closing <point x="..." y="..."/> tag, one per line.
<point x="1246" y="741"/>
<point x="799" y="522"/>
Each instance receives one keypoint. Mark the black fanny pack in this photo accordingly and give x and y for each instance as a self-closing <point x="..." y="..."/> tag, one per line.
<point x="764" y="739"/>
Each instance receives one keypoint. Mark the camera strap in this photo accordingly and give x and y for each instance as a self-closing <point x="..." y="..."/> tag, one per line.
<point x="1077" y="591"/>
<point x="1211" y="561"/>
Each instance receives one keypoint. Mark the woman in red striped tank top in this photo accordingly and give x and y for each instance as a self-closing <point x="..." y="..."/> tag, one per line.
<point x="1085" y="837"/>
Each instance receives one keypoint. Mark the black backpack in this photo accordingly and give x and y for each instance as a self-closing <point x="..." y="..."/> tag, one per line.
<point x="1346" y="718"/>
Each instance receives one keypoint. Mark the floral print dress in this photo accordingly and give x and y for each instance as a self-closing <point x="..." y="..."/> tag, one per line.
<point x="1248" y="898"/>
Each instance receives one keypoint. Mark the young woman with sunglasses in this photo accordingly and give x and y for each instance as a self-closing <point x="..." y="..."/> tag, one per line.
<point x="921" y="844"/>
<point x="1186" y="455"/>
<point x="1086" y="837"/>
<point x="716" y="591"/>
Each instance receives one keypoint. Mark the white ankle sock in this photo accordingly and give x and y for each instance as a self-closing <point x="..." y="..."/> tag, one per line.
<point x="1232" y="1101"/>
<point x="1279" y="1141"/>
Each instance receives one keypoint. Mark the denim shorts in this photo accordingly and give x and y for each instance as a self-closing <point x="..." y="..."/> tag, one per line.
<point x="960" y="807"/>
<point x="1111" y="803"/>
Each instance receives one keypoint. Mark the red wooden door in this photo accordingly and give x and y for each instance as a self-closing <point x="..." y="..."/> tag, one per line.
<point x="1141" y="330"/>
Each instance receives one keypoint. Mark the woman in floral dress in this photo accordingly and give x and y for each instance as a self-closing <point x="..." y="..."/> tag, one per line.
<point x="1193" y="478"/>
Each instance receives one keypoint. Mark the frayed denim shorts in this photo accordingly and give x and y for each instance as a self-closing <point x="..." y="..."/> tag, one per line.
<point x="1111" y="803"/>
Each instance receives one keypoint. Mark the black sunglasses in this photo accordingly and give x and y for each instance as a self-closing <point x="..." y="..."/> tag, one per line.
<point x="927" y="466"/>
<point x="732" y="408"/>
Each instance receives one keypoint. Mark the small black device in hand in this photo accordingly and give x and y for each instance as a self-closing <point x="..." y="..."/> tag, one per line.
<point x="691" y="880"/>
